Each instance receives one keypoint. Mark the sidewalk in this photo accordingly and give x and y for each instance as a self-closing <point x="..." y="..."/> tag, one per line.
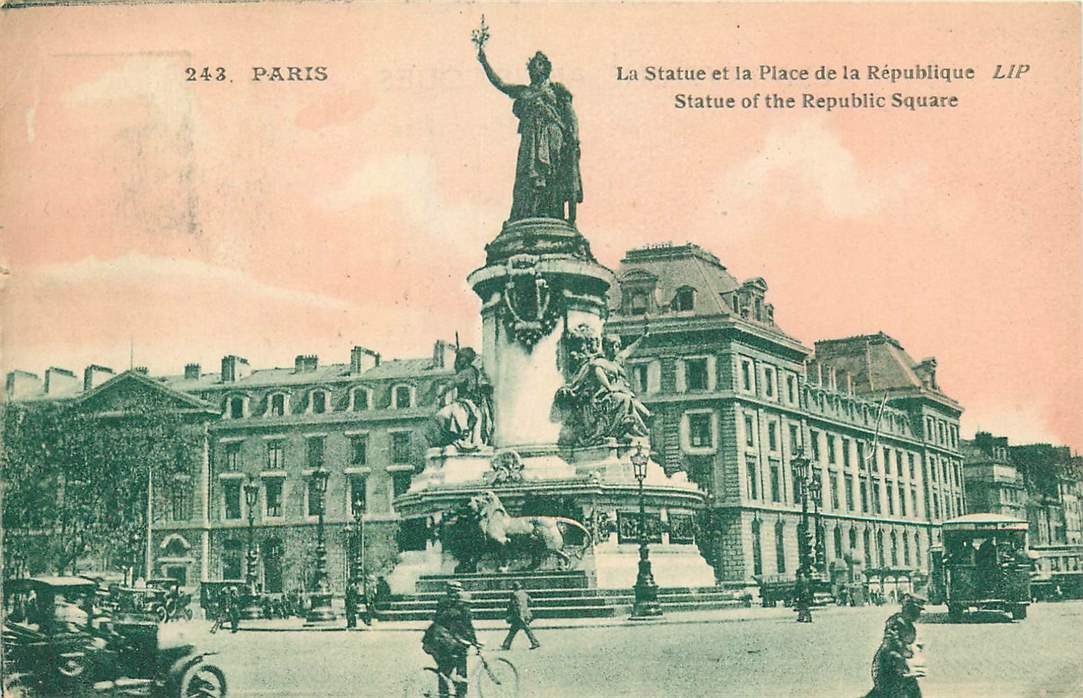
<point x="726" y="615"/>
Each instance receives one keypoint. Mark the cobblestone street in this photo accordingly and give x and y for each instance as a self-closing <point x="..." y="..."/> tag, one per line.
<point x="758" y="652"/>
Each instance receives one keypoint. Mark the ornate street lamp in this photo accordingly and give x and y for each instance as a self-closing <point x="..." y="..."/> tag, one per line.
<point x="816" y="491"/>
<point x="803" y="477"/>
<point x="320" y="611"/>
<point x="646" y="591"/>
<point x="251" y="606"/>
<point x="356" y="531"/>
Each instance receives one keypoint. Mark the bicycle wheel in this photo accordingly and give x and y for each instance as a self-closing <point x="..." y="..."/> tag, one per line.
<point x="498" y="678"/>
<point x="422" y="684"/>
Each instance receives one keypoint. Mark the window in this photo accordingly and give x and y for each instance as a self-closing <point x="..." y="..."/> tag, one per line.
<point x="236" y="407"/>
<point x="795" y="438"/>
<point x="940" y="432"/>
<point x="640" y="378"/>
<point x="890" y="500"/>
<point x="318" y="401"/>
<point x="866" y="543"/>
<point x="887" y="460"/>
<point x="864" y="487"/>
<point x="834" y="491"/>
<point x="848" y="483"/>
<point x="750" y="431"/>
<point x="231" y="459"/>
<point x="272" y="497"/>
<point x="402" y="397"/>
<point x="232" y="559"/>
<point x="831" y="458"/>
<point x="180" y="501"/>
<point x="359" y="450"/>
<point x="699" y="430"/>
<point x="276" y="455"/>
<point x="685" y="299"/>
<point x="314" y="446"/>
<point x="880" y="548"/>
<point x="776" y="480"/>
<point x="875" y="494"/>
<point x="753" y="478"/>
<point x="917" y="550"/>
<point x="769" y="381"/>
<point x="757" y="549"/>
<point x="696" y="377"/>
<point x="358" y="494"/>
<point x="902" y="497"/>
<point x="277" y="405"/>
<point x="894" y="550"/>
<point x="791" y="389"/>
<point x="361" y="400"/>
<point x="772" y="435"/>
<point x="780" y="547"/>
<point x="638" y="304"/>
<point x="852" y="539"/>
<point x="912" y="469"/>
<point x="400" y="483"/>
<point x="907" y="560"/>
<point x="814" y="443"/>
<point x="845" y="453"/>
<point x="400" y="447"/>
<point x="231" y="498"/>
<point x="837" y="537"/>
<point x="748" y="383"/>
<point x="315" y="500"/>
<point x="929" y="431"/>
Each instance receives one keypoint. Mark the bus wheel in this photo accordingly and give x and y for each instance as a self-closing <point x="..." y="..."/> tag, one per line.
<point x="1019" y="612"/>
<point x="955" y="613"/>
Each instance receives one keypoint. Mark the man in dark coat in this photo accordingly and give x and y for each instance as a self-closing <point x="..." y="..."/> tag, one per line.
<point x="450" y="636"/>
<point x="351" y="605"/>
<point x="895" y="668"/>
<point x="234" y="609"/>
<point x="519" y="617"/>
<point x="802" y="598"/>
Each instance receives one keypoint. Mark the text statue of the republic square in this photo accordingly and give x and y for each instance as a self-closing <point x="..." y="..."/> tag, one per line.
<point x="542" y="432"/>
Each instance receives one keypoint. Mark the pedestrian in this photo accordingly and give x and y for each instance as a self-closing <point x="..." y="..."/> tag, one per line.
<point x="519" y="617"/>
<point x="802" y="598"/>
<point x="368" y="597"/>
<point x="448" y="638"/>
<point x="351" y="605"/>
<point x="234" y="610"/>
<point x="897" y="664"/>
<point x="383" y="593"/>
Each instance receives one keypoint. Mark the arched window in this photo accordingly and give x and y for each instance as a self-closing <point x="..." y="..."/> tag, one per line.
<point x="236" y="407"/>
<point x="318" y="401"/>
<point x="866" y="546"/>
<point x="684" y="299"/>
<point x="360" y="399"/>
<point x="402" y="397"/>
<point x="852" y="539"/>
<point x="880" y="548"/>
<point x="277" y="404"/>
<point x="780" y="547"/>
<point x="757" y="548"/>
<point x="907" y="560"/>
<point x="894" y="550"/>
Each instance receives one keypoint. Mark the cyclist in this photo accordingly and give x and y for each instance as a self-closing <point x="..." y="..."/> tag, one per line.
<point x="450" y="637"/>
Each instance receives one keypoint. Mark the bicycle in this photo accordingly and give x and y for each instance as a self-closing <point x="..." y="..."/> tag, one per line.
<point x="491" y="678"/>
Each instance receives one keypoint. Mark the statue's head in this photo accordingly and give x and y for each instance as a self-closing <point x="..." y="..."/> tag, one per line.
<point x="539" y="67"/>
<point x="611" y="345"/>
<point x="464" y="358"/>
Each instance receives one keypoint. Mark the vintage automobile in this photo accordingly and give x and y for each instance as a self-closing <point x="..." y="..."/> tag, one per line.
<point x="56" y="644"/>
<point x="983" y="565"/>
<point x="167" y="600"/>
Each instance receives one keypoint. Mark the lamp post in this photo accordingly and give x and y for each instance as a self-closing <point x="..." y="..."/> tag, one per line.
<point x="357" y="561"/>
<point x="816" y="490"/>
<point x="803" y="477"/>
<point x="320" y="611"/>
<point x="250" y="604"/>
<point x="646" y="591"/>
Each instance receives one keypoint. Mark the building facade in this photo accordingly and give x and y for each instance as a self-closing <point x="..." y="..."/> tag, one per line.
<point x="735" y="401"/>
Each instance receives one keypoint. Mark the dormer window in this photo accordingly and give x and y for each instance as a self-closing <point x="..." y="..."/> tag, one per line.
<point x="276" y="404"/>
<point x="685" y="299"/>
<point x="236" y="407"/>
<point x="360" y="399"/>
<point x="402" y="397"/>
<point x="317" y="401"/>
<point x="637" y="304"/>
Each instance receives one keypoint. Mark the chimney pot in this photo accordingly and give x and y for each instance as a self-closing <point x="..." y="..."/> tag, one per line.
<point x="191" y="372"/>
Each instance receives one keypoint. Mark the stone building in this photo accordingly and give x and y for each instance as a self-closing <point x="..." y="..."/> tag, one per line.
<point x="736" y="399"/>
<point x="1041" y="483"/>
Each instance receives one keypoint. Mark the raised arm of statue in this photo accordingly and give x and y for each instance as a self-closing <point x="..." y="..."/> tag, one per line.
<point x="512" y="91"/>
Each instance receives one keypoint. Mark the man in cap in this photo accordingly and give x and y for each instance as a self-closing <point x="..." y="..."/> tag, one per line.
<point x="449" y="637"/>
<point x="519" y="617"/>
<point x="895" y="667"/>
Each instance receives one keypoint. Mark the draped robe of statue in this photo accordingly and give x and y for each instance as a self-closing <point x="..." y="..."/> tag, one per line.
<point x="467" y="421"/>
<point x="547" y="169"/>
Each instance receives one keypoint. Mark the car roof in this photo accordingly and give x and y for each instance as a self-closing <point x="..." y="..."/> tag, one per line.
<point x="986" y="522"/>
<point x="55" y="582"/>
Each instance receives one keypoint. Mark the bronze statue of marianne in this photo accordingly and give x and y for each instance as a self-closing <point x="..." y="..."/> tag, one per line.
<point x="547" y="170"/>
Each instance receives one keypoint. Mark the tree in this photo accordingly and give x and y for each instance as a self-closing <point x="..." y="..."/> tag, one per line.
<point x="78" y="480"/>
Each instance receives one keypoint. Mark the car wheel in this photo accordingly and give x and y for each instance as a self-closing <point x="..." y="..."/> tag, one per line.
<point x="203" y="681"/>
<point x="161" y="614"/>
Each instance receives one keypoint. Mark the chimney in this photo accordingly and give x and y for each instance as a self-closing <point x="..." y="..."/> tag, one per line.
<point x="60" y="380"/>
<point x="191" y="372"/>
<point x="305" y="362"/>
<point x="94" y="375"/>
<point x="234" y="368"/>
<point x="443" y="354"/>
<point x="142" y="370"/>
<point x="20" y="384"/>
<point x="362" y="359"/>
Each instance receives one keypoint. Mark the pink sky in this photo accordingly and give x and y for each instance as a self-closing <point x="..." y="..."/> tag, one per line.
<point x="270" y="220"/>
